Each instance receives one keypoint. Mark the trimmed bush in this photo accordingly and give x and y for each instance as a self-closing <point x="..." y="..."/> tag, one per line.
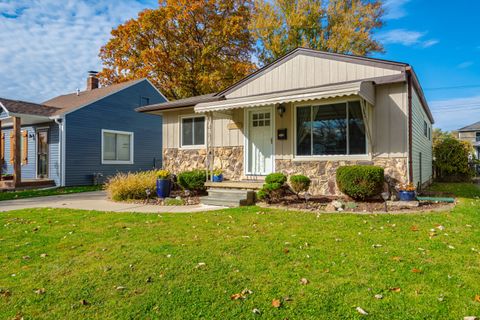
<point x="132" y="186"/>
<point x="273" y="188"/>
<point x="300" y="183"/>
<point x="360" y="182"/>
<point x="276" y="178"/>
<point x="452" y="159"/>
<point x="193" y="180"/>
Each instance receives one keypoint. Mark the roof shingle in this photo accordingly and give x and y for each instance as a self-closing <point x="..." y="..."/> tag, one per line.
<point x="28" y="108"/>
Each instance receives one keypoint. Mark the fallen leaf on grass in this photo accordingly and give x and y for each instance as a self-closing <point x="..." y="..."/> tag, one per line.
<point x="40" y="291"/>
<point x="237" y="296"/>
<point x="43" y="255"/>
<point x="84" y="302"/>
<point x="304" y="281"/>
<point x="256" y="311"/>
<point x="396" y="289"/>
<point x="414" y="228"/>
<point x="415" y="270"/>
<point x="119" y="288"/>
<point x="276" y="303"/>
<point x="398" y="259"/>
<point x="477" y="298"/>
<point x="5" y="293"/>
<point x="361" y="311"/>
<point x="286" y="250"/>
<point x="378" y="296"/>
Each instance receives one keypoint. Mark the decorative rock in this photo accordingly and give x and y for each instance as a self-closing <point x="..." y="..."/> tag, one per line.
<point x="403" y="204"/>
<point x="337" y="204"/>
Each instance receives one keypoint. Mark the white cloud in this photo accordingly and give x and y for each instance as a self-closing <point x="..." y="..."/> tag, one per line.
<point x="406" y="38"/>
<point x="394" y="9"/>
<point x="47" y="46"/>
<point x="452" y="114"/>
<point x="465" y="64"/>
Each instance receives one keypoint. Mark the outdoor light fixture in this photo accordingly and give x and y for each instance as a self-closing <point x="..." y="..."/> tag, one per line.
<point x="281" y="109"/>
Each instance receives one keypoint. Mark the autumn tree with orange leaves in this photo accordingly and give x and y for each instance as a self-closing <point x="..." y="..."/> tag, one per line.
<point x="185" y="47"/>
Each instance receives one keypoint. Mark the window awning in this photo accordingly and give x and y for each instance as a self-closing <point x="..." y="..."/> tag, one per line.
<point x="364" y="89"/>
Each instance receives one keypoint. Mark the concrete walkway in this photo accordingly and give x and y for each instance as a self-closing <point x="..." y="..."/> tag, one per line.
<point x="96" y="200"/>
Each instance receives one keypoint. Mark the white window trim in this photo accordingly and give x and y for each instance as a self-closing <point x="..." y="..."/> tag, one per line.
<point x="193" y="146"/>
<point x="332" y="157"/>
<point x="131" y="134"/>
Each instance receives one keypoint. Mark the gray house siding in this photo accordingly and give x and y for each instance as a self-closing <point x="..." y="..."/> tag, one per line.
<point x="29" y="170"/>
<point x="83" y="134"/>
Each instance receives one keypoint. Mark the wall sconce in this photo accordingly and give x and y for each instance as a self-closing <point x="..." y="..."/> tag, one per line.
<point x="281" y="109"/>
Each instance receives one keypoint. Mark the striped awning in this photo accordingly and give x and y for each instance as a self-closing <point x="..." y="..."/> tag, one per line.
<point x="363" y="89"/>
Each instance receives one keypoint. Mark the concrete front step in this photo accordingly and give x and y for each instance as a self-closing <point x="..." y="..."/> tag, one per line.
<point x="229" y="197"/>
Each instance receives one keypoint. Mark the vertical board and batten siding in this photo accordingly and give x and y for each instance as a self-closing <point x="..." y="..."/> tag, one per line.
<point x="115" y="112"/>
<point x="303" y="71"/>
<point x="421" y="143"/>
<point x="29" y="170"/>
<point x="390" y="121"/>
<point x="223" y="137"/>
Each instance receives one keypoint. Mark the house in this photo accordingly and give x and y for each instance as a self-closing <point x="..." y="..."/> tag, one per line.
<point x="471" y="133"/>
<point x="76" y="138"/>
<point x="308" y="112"/>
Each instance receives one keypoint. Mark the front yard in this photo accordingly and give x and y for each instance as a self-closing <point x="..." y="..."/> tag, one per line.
<point x="82" y="264"/>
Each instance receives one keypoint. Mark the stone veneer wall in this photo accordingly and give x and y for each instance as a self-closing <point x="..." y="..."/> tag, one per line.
<point x="322" y="173"/>
<point x="229" y="159"/>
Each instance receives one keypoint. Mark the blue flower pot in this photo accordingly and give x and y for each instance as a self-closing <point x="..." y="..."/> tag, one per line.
<point x="217" y="178"/>
<point x="163" y="188"/>
<point x="407" y="195"/>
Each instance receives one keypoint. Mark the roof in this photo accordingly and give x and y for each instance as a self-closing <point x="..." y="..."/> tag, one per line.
<point x="27" y="108"/>
<point x="187" y="102"/>
<point x="472" y="127"/>
<point x="72" y="101"/>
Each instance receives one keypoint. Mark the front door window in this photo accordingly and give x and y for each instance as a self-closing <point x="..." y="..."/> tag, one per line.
<point x="42" y="154"/>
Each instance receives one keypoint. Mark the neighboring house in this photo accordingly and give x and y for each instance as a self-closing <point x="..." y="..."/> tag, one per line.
<point x="72" y="138"/>
<point x="308" y="112"/>
<point x="471" y="133"/>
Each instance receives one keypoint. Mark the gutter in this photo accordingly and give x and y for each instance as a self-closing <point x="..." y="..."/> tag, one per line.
<point x="410" y="125"/>
<point x="60" y="122"/>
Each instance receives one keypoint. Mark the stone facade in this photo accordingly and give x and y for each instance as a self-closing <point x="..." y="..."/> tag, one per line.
<point x="229" y="159"/>
<point x="322" y="173"/>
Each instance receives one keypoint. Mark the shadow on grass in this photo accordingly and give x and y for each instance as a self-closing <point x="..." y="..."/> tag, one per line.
<point x="461" y="189"/>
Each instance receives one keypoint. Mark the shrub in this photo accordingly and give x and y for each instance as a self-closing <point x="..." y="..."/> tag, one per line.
<point x="360" y="182"/>
<point x="273" y="188"/>
<point x="193" y="180"/>
<point x="132" y="186"/>
<point x="452" y="159"/>
<point x="300" y="183"/>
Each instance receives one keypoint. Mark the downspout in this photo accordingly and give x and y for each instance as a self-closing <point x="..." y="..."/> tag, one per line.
<point x="410" y="130"/>
<point x="59" y="122"/>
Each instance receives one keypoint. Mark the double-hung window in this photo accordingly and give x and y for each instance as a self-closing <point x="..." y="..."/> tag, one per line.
<point x="331" y="129"/>
<point x="192" y="131"/>
<point x="117" y="147"/>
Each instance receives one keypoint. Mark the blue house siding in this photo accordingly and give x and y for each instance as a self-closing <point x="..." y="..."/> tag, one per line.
<point x="116" y="112"/>
<point x="29" y="170"/>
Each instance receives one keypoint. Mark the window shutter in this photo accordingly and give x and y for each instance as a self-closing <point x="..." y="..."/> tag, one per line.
<point x="2" y="149"/>
<point x="25" y="147"/>
<point x="12" y="151"/>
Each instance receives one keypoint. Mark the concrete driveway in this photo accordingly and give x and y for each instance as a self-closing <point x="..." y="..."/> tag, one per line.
<point x="96" y="200"/>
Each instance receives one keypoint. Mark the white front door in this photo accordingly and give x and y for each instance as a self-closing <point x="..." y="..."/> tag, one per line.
<point x="260" y="141"/>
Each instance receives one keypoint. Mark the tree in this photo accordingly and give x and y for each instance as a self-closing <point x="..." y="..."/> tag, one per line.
<point x="340" y="26"/>
<point x="452" y="157"/>
<point x="186" y="47"/>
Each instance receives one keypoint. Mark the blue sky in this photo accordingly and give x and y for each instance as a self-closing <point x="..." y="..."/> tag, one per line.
<point x="47" y="46"/>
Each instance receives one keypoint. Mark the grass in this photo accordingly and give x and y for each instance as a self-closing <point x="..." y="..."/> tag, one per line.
<point x="157" y="261"/>
<point x="12" y="195"/>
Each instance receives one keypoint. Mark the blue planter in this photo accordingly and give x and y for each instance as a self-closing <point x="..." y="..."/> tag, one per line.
<point x="163" y="188"/>
<point x="217" y="178"/>
<point x="407" y="195"/>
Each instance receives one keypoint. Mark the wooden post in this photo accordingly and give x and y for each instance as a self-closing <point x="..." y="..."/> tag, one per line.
<point x="17" y="166"/>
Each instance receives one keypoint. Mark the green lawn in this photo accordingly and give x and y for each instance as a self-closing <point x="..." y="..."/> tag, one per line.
<point x="143" y="266"/>
<point x="45" y="192"/>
